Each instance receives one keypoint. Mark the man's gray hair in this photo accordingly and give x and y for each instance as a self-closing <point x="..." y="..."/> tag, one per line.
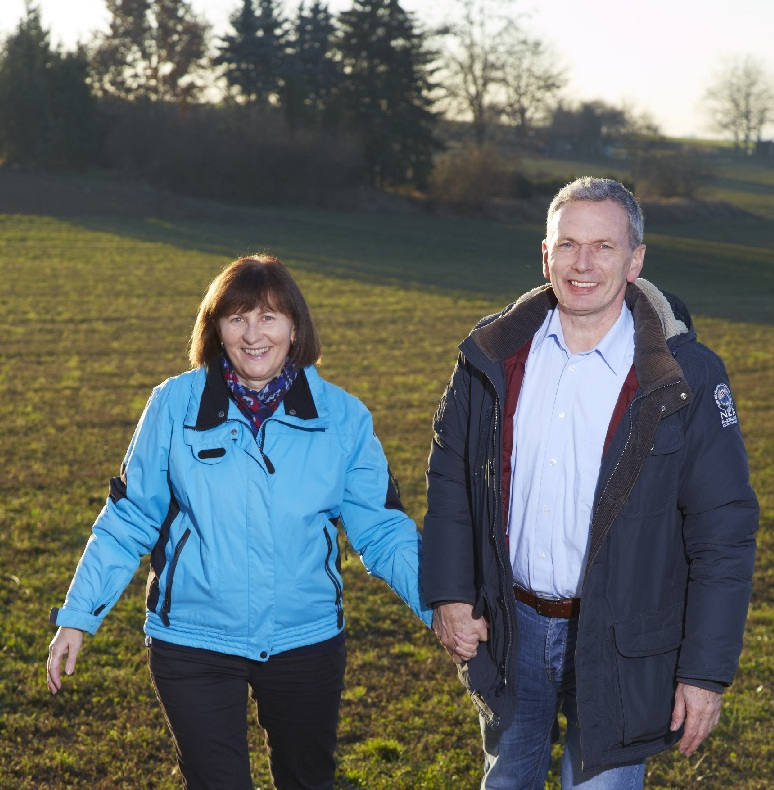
<point x="597" y="190"/>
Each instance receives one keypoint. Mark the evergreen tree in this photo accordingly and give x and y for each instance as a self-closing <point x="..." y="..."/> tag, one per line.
<point x="47" y="111"/>
<point x="254" y="54"/>
<point x="386" y="91"/>
<point x="312" y="74"/>
<point x="153" y="50"/>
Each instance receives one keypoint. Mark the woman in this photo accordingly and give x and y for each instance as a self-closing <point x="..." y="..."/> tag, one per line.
<point x="234" y="481"/>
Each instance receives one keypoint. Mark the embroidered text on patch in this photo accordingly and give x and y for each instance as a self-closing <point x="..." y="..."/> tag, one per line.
<point x="725" y="404"/>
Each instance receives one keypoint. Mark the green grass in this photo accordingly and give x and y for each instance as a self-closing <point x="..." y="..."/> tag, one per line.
<point x="94" y="312"/>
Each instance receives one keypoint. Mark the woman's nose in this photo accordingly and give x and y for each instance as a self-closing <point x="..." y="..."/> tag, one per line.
<point x="252" y="332"/>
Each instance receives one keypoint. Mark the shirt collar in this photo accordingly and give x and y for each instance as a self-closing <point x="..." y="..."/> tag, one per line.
<point x="615" y="348"/>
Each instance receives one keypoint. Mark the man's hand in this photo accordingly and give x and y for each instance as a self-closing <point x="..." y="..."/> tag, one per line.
<point x="699" y="710"/>
<point x="67" y="642"/>
<point x="458" y="631"/>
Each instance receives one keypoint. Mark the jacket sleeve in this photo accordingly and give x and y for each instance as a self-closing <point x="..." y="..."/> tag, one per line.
<point x="720" y="517"/>
<point x="448" y="548"/>
<point x="127" y="527"/>
<point x="386" y="539"/>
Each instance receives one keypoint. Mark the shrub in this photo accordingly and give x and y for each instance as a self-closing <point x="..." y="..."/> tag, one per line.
<point x="239" y="154"/>
<point x="469" y="177"/>
<point x="672" y="174"/>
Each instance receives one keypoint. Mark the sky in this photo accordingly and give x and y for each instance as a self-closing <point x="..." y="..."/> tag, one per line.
<point x="657" y="56"/>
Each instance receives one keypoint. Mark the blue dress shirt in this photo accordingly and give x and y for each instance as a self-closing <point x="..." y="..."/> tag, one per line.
<point x="562" y="417"/>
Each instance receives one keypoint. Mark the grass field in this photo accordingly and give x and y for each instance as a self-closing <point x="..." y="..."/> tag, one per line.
<point x="94" y="311"/>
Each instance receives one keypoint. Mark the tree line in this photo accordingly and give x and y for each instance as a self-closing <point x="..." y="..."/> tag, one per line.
<point x="330" y="100"/>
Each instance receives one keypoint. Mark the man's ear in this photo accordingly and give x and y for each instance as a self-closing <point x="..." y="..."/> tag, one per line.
<point x="638" y="260"/>
<point x="544" y="249"/>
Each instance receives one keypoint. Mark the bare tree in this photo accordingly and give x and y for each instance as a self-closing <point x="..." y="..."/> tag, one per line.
<point x="473" y="63"/>
<point x="494" y="69"/>
<point x="152" y="51"/>
<point x="740" y="101"/>
<point x="530" y="76"/>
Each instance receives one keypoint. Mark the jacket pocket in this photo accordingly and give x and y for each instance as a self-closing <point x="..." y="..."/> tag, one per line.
<point x="167" y="605"/>
<point x="647" y="652"/>
<point x="208" y="447"/>
<point x="656" y="488"/>
<point x="332" y="571"/>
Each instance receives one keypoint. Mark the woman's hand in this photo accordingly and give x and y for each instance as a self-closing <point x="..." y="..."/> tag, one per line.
<point x="67" y="642"/>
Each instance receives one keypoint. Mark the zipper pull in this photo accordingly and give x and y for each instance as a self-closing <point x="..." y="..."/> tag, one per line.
<point x="269" y="464"/>
<point x="267" y="461"/>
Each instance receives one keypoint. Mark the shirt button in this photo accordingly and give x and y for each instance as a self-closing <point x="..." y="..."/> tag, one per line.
<point x="233" y="431"/>
<point x="221" y="414"/>
<point x="572" y="367"/>
<point x="292" y="412"/>
<point x="560" y="415"/>
<point x="264" y="654"/>
<point x="552" y="462"/>
<point x="546" y="509"/>
<point x="542" y="555"/>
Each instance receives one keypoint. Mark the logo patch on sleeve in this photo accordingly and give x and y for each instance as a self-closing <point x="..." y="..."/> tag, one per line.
<point x="725" y="403"/>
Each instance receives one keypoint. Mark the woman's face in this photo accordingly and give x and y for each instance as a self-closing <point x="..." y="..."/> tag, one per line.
<point x="257" y="343"/>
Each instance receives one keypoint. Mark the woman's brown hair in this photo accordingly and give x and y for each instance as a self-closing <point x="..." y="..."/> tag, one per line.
<point x="250" y="282"/>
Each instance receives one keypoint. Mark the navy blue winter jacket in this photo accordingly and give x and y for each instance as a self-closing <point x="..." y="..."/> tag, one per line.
<point x="668" y="577"/>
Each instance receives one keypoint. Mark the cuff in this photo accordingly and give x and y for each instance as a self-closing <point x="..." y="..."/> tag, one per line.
<point x="69" y="618"/>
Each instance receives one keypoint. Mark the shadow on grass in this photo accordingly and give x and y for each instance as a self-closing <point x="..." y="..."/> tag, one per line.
<point x="720" y="269"/>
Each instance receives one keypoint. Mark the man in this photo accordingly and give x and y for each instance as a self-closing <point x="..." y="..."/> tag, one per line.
<point x="590" y="517"/>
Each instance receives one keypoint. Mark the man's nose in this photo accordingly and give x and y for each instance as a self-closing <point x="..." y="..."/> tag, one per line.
<point x="584" y="260"/>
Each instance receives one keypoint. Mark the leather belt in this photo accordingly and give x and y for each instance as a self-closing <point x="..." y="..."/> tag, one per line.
<point x="566" y="608"/>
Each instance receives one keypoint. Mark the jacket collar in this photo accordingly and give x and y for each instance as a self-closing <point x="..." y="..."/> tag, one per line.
<point x="501" y="336"/>
<point x="214" y="402"/>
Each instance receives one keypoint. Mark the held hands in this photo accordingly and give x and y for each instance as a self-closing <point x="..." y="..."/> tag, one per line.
<point x="458" y="631"/>
<point x="699" y="710"/>
<point x="67" y="642"/>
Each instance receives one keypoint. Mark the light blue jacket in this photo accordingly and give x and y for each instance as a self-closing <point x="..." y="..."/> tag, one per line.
<point x="242" y="529"/>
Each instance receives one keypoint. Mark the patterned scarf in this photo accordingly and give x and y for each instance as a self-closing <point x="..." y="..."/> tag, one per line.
<point x="258" y="406"/>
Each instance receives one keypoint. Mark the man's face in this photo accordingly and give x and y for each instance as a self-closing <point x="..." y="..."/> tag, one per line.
<point x="588" y="259"/>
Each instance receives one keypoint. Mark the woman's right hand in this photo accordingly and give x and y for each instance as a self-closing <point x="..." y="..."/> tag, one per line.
<point x="67" y="642"/>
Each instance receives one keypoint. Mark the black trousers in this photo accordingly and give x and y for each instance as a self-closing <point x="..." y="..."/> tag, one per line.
<point x="297" y="694"/>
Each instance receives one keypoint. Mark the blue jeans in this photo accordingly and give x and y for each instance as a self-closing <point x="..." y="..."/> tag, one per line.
<point x="520" y="757"/>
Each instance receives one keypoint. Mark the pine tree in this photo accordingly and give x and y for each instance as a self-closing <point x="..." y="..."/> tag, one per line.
<point x="312" y="74"/>
<point x="47" y="111"/>
<point x="386" y="92"/>
<point x="254" y="54"/>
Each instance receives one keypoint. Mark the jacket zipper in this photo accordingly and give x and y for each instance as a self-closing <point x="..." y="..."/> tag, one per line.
<point x="332" y="576"/>
<point x="164" y="613"/>
<point x="498" y="520"/>
<point x="498" y="525"/>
